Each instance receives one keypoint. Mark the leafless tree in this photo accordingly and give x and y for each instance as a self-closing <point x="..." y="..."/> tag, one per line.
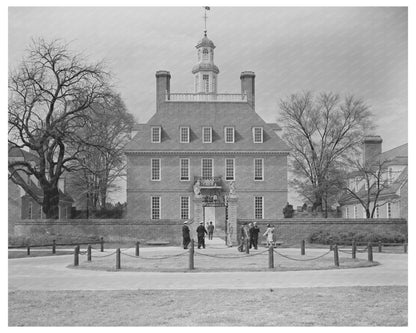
<point x="50" y="96"/>
<point x="373" y="175"/>
<point x="103" y="162"/>
<point x="321" y="131"/>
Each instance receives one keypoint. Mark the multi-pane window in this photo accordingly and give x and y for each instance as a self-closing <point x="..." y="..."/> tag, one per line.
<point x="355" y="212"/>
<point x="229" y="169"/>
<point x="388" y="210"/>
<point x="347" y="213"/>
<point x="184" y="134"/>
<point x="258" y="207"/>
<point x="390" y="175"/>
<point x="155" y="214"/>
<point x="207" y="134"/>
<point x="184" y="208"/>
<point x="214" y="83"/>
<point x="184" y="166"/>
<point x="258" y="169"/>
<point x="205" y="79"/>
<point x="155" y="168"/>
<point x="377" y="212"/>
<point x="156" y="134"/>
<point x="207" y="168"/>
<point x="229" y="134"/>
<point x="258" y="134"/>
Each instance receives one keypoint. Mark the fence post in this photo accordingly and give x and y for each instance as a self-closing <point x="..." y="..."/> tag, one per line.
<point x="405" y="247"/>
<point x="370" y="252"/>
<point x="137" y="248"/>
<point x="28" y="250"/>
<point x="102" y="244"/>
<point x="89" y="252"/>
<point x="118" y="259"/>
<point x="330" y="247"/>
<point x="247" y="246"/>
<point x="191" y="255"/>
<point x="354" y="249"/>
<point x="271" y="257"/>
<point x="76" y="255"/>
<point x="54" y="246"/>
<point x="336" y="257"/>
<point x="302" y="247"/>
<point x="380" y="245"/>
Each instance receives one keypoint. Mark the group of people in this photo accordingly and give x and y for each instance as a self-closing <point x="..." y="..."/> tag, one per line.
<point x="251" y="232"/>
<point x="201" y="231"/>
<point x="248" y="232"/>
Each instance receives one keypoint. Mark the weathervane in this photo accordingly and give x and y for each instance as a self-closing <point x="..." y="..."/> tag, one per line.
<point x="205" y="19"/>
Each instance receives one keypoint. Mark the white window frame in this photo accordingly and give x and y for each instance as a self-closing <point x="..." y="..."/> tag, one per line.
<point x="212" y="168"/>
<point x="262" y="208"/>
<point x="225" y="134"/>
<point x="205" y="54"/>
<point x="346" y="212"/>
<point x="377" y="212"/>
<point x="180" y="169"/>
<point x="188" y="134"/>
<point x="151" y="207"/>
<point x="210" y="134"/>
<point x="226" y="176"/>
<point x="254" y="134"/>
<point x="159" y="128"/>
<point x="355" y="211"/>
<point x="205" y="82"/>
<point x="151" y="170"/>
<point x="183" y="217"/>
<point x="262" y="169"/>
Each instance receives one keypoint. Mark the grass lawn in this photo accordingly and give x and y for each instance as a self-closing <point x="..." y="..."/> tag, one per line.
<point x="339" y="306"/>
<point x="225" y="259"/>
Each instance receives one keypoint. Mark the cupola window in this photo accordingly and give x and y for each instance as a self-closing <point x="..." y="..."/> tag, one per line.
<point x="205" y="54"/>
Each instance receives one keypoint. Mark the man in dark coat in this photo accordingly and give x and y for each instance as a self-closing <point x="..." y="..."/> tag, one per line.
<point x="255" y="234"/>
<point x="201" y="231"/>
<point x="210" y="230"/>
<point x="185" y="235"/>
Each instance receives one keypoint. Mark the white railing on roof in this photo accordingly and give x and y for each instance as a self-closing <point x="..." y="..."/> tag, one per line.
<point x="191" y="97"/>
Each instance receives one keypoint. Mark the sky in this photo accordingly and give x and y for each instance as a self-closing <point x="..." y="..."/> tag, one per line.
<point x="347" y="50"/>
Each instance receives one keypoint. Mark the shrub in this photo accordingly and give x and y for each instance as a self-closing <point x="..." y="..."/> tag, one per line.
<point x="288" y="211"/>
<point x="333" y="237"/>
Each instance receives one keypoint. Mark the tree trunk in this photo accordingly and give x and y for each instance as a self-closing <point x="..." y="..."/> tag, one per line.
<point x="51" y="202"/>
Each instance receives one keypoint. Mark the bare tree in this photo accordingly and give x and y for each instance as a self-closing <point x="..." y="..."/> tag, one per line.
<point x="103" y="160"/>
<point x="50" y="96"/>
<point x="373" y="176"/>
<point x="321" y="131"/>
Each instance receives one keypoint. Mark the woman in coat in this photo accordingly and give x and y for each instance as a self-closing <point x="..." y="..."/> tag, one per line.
<point x="269" y="234"/>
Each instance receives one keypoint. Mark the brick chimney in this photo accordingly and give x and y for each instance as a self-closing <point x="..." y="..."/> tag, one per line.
<point x="248" y="86"/>
<point x="371" y="147"/>
<point x="162" y="87"/>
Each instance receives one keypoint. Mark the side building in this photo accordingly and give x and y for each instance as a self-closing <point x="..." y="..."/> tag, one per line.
<point x="205" y="156"/>
<point x="393" y="198"/>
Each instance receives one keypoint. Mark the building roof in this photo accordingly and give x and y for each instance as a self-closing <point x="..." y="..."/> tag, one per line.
<point x="205" y="41"/>
<point x="396" y="156"/>
<point x="217" y="115"/>
<point x="18" y="152"/>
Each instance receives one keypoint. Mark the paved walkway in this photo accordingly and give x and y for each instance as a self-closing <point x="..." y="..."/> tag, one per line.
<point x="51" y="273"/>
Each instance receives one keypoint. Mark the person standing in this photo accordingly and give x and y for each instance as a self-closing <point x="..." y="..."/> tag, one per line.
<point x="201" y="231"/>
<point x="269" y="234"/>
<point x="255" y="234"/>
<point x="186" y="235"/>
<point x="243" y="237"/>
<point x="250" y="234"/>
<point x="210" y="230"/>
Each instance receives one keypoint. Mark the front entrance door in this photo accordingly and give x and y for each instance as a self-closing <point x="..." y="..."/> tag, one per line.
<point x="209" y="215"/>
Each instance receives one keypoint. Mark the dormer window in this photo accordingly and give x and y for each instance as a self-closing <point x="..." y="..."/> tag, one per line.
<point x="207" y="134"/>
<point x="258" y="134"/>
<point x="184" y="134"/>
<point x="229" y="134"/>
<point x="156" y="134"/>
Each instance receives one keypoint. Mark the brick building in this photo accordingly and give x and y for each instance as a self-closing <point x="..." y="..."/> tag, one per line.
<point x="206" y="156"/>
<point x="393" y="198"/>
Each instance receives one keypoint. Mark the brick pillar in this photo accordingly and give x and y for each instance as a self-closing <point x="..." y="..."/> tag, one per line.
<point x="232" y="218"/>
<point x="198" y="213"/>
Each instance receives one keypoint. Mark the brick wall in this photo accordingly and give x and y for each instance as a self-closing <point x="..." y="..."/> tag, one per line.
<point x="292" y="231"/>
<point x="72" y="231"/>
